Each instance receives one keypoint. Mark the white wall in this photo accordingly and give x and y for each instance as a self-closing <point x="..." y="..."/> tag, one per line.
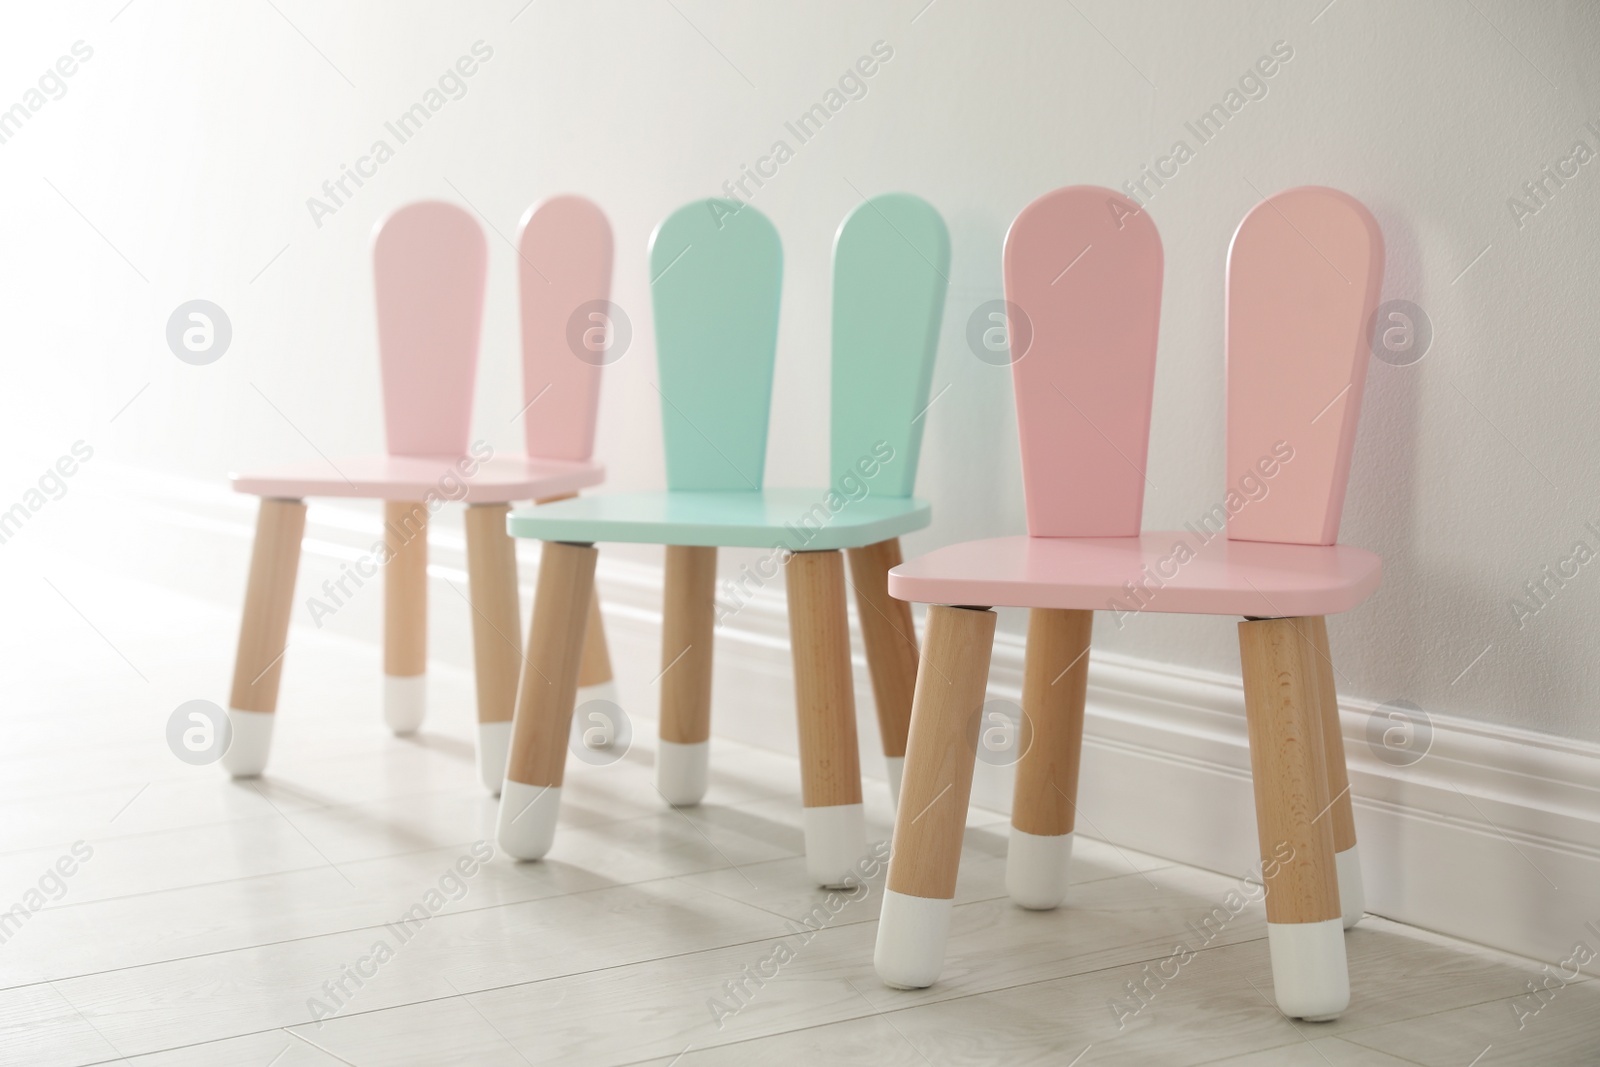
<point x="194" y="135"/>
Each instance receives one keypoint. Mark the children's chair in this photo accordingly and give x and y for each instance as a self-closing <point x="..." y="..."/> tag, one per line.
<point x="1303" y="278"/>
<point x="429" y="265"/>
<point x="716" y="268"/>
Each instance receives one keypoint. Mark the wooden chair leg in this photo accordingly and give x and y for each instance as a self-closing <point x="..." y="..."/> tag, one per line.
<point x="1305" y="932"/>
<point x="688" y="618"/>
<point x="1055" y="681"/>
<point x="830" y="762"/>
<point x="940" y="753"/>
<point x="530" y="799"/>
<point x="1352" y="897"/>
<point x="595" y="678"/>
<point x="891" y="642"/>
<point x="405" y="615"/>
<point x="263" y="635"/>
<point x="496" y="634"/>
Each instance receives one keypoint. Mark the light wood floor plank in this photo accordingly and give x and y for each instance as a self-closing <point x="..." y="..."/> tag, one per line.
<point x="210" y="997"/>
<point x="1565" y="1032"/>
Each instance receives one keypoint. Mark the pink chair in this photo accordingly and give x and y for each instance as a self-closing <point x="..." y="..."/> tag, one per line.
<point x="1303" y="278"/>
<point x="429" y="265"/>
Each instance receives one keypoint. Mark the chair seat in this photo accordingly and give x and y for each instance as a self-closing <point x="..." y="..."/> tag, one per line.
<point x="498" y="480"/>
<point x="1215" y="577"/>
<point x="797" y="519"/>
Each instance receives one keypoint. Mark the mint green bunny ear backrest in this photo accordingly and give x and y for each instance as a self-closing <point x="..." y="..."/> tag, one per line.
<point x="891" y="261"/>
<point x="716" y="270"/>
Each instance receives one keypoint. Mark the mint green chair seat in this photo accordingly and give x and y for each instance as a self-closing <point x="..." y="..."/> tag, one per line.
<point x="716" y="268"/>
<point x="799" y="520"/>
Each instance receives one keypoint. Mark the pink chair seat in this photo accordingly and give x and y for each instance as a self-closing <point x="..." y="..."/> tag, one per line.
<point x="1220" y="577"/>
<point x="498" y="480"/>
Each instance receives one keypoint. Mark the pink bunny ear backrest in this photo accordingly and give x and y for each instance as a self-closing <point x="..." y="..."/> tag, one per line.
<point x="1083" y="270"/>
<point x="429" y="260"/>
<point x="568" y="324"/>
<point x="1304" y="273"/>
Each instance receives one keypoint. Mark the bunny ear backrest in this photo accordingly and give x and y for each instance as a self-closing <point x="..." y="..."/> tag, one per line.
<point x="568" y="324"/>
<point x="716" y="271"/>
<point x="429" y="262"/>
<point x="1304" y="273"/>
<point x="1083" y="275"/>
<point x="891" y="261"/>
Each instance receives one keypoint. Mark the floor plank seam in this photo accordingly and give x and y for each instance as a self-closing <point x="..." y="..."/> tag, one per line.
<point x="380" y="926"/>
<point x="346" y="863"/>
<point x="190" y="827"/>
<point x="440" y="1000"/>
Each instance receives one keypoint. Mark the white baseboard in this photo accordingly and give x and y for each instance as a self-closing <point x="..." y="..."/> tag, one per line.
<point x="1493" y="837"/>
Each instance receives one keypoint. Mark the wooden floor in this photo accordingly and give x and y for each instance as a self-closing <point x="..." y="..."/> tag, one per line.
<point x="212" y="914"/>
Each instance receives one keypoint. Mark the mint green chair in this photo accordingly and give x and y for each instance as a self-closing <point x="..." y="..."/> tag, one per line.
<point x="717" y="273"/>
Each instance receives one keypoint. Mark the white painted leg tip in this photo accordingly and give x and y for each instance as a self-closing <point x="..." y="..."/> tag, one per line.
<point x="896" y="766"/>
<point x="836" y="842"/>
<point x="1352" y="897"/>
<point x="1310" y="976"/>
<point x="250" y="744"/>
<point x="494" y="746"/>
<point x="405" y="702"/>
<point x="526" y="826"/>
<point x="911" y="937"/>
<point x="599" y="691"/>
<point x="682" y="770"/>
<point x="1036" y="869"/>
